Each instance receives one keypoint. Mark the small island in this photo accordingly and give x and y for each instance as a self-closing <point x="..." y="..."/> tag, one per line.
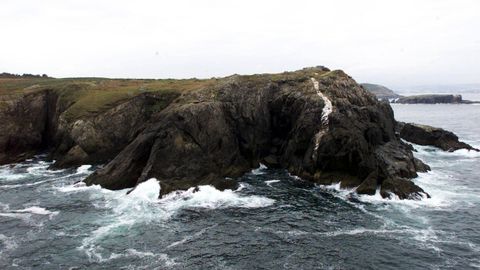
<point x="384" y="93"/>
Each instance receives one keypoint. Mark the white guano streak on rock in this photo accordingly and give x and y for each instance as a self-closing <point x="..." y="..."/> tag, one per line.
<point x="327" y="109"/>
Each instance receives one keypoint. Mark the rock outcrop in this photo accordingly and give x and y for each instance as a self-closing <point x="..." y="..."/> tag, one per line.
<point x="316" y="123"/>
<point x="432" y="99"/>
<point x="428" y="135"/>
<point x="380" y="91"/>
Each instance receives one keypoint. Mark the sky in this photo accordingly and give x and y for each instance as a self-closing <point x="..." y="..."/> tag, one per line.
<point x="395" y="43"/>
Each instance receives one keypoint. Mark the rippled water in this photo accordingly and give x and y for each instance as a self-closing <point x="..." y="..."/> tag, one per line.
<point x="274" y="221"/>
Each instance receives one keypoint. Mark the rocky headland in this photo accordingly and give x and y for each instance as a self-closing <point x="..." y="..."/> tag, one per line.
<point x="318" y="124"/>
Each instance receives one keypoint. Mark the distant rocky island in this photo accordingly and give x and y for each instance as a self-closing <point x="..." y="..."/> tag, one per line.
<point x="317" y="124"/>
<point x="384" y="93"/>
<point x="380" y="91"/>
<point x="433" y="99"/>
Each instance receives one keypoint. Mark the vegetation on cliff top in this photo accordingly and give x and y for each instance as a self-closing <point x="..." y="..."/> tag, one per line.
<point x="88" y="96"/>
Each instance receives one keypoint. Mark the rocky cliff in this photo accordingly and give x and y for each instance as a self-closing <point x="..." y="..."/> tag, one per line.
<point x="318" y="124"/>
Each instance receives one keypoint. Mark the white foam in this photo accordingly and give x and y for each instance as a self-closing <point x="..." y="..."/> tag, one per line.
<point x="8" y="175"/>
<point x="27" y="215"/>
<point x="210" y="197"/>
<point x="84" y="169"/>
<point x="38" y="169"/>
<point x="443" y="194"/>
<point x="436" y="153"/>
<point x="142" y="206"/>
<point x="270" y="182"/>
<point x="440" y="197"/>
<point x="36" y="210"/>
<point x="337" y="191"/>
<point x="260" y="170"/>
<point x="26" y="184"/>
<point x="148" y="190"/>
<point x="81" y="187"/>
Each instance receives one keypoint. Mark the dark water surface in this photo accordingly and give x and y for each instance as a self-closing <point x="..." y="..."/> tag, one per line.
<point x="274" y="221"/>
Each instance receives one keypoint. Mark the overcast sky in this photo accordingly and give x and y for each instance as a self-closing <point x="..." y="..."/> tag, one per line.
<point x="396" y="43"/>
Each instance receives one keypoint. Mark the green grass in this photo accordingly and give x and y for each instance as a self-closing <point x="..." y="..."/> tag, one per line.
<point x="89" y="96"/>
<point x="83" y="97"/>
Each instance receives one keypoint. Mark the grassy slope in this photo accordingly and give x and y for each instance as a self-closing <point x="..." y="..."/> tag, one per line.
<point x="89" y="96"/>
<point x="92" y="95"/>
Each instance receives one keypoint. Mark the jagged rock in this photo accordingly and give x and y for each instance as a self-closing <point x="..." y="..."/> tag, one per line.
<point x="76" y="155"/>
<point x="420" y="166"/>
<point x="369" y="185"/>
<point x="403" y="188"/>
<point x="428" y="135"/>
<point x="23" y="129"/>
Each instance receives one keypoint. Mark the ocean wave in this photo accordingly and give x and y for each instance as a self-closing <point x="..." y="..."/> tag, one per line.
<point x="212" y="198"/>
<point x="440" y="197"/>
<point x="41" y="168"/>
<point x="36" y="210"/>
<point x="80" y="187"/>
<point x="143" y="206"/>
<point x="8" y="175"/>
<point x="29" y="215"/>
<point x="84" y="169"/>
<point x="437" y="154"/>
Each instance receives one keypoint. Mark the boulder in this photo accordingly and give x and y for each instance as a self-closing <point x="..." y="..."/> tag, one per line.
<point x="402" y="188"/>
<point x="369" y="185"/>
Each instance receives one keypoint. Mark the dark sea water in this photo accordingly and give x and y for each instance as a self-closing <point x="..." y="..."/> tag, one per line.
<point x="274" y="221"/>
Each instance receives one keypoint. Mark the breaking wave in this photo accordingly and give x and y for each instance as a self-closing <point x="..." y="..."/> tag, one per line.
<point x="143" y="206"/>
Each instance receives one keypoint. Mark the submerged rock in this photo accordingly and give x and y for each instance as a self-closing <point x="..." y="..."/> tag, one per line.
<point x="318" y="124"/>
<point x="428" y="135"/>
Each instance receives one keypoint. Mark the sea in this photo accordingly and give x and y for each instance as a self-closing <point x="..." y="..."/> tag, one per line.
<point x="272" y="221"/>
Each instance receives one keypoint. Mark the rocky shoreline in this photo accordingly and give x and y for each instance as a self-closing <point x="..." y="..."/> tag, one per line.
<point x="318" y="124"/>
